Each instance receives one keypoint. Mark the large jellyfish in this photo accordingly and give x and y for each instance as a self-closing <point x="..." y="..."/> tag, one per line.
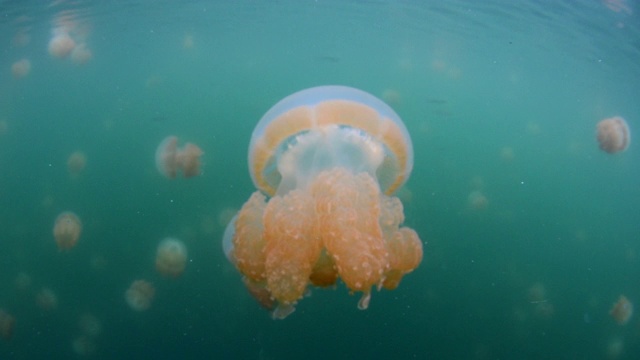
<point x="613" y="134"/>
<point x="326" y="161"/>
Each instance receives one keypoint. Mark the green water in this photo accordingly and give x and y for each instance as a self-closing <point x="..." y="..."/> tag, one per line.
<point x="500" y="97"/>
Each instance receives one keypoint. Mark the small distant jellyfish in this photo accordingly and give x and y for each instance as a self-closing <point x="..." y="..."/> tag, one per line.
<point x="67" y="230"/>
<point x="613" y="135"/>
<point x="187" y="41"/>
<point x="81" y="54"/>
<point x="83" y="345"/>
<point x="477" y="200"/>
<point x="170" y="158"/>
<point x="76" y="162"/>
<point x="507" y="154"/>
<point x="61" y="45"/>
<point x="622" y="310"/>
<point x="171" y="257"/>
<point x="140" y="295"/>
<point x="7" y="322"/>
<point x="46" y="299"/>
<point x="90" y="325"/>
<point x="21" y="68"/>
<point x="23" y="281"/>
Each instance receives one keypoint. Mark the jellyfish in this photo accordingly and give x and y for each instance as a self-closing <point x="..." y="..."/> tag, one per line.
<point x="613" y="135"/>
<point x="477" y="200"/>
<point x="7" y="322"/>
<point x="61" y="45"/>
<point x="622" y="310"/>
<point x="170" y="159"/>
<point x="89" y="325"/>
<point x="76" y="163"/>
<point x="326" y="162"/>
<point x="46" y="299"/>
<point x="81" y="54"/>
<point x="171" y="257"/>
<point x="21" y="68"/>
<point x="67" y="230"/>
<point x="83" y="345"/>
<point x="140" y="295"/>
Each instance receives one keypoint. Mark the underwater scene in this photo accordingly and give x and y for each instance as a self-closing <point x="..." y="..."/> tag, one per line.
<point x="319" y="179"/>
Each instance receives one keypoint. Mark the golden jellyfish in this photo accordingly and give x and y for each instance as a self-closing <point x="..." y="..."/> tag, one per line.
<point x="170" y="158"/>
<point x="613" y="135"/>
<point x="326" y="162"/>
<point x="67" y="230"/>
<point x="61" y="45"/>
<point x="140" y="295"/>
<point x="622" y="310"/>
<point x="81" y="54"/>
<point x="76" y="162"/>
<point x="46" y="299"/>
<point x="171" y="257"/>
<point x="477" y="200"/>
<point x="90" y="325"/>
<point x="21" y="68"/>
<point x="7" y="322"/>
<point x="83" y="345"/>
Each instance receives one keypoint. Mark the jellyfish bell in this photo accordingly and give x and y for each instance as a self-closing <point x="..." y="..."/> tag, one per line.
<point x="166" y="160"/>
<point x="139" y="295"/>
<point x="76" y="163"/>
<point x="83" y="345"/>
<point x="171" y="257"/>
<point x="613" y="135"/>
<point x="477" y="200"/>
<point x="21" y="68"/>
<point x="46" y="299"/>
<point x="326" y="162"/>
<point x="170" y="159"/>
<point x="89" y="325"/>
<point x="189" y="160"/>
<point x="67" y="230"/>
<point x="7" y="323"/>
<point x="622" y="310"/>
<point x="61" y="45"/>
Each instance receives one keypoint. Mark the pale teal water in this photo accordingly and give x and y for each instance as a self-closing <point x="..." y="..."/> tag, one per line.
<point x="474" y="81"/>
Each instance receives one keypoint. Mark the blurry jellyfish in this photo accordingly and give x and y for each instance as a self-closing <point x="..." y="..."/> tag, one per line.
<point x="7" y="322"/>
<point x="187" y="41"/>
<point x="81" y="54"/>
<point x="67" y="230"/>
<point x="507" y="154"/>
<point x="61" y="45"/>
<point x="23" y="281"/>
<point x="392" y="97"/>
<point x="613" y="135"/>
<point x="170" y="159"/>
<point x="140" y="295"/>
<point x="83" y="345"/>
<point x="90" y="325"/>
<point x="21" y="68"/>
<point x="46" y="299"/>
<point x="477" y="200"/>
<point x="537" y="293"/>
<point x="615" y="347"/>
<point x="171" y="257"/>
<point x="329" y="159"/>
<point x="76" y="163"/>
<point x="622" y="310"/>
